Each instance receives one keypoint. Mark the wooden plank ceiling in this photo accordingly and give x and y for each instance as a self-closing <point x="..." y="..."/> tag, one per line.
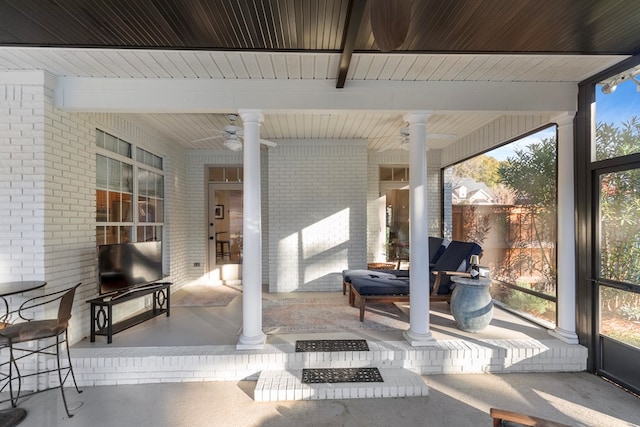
<point x="446" y="26"/>
<point x="450" y="40"/>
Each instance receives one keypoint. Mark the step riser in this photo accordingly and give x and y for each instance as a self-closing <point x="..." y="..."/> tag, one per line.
<point x="274" y="386"/>
<point x="112" y="366"/>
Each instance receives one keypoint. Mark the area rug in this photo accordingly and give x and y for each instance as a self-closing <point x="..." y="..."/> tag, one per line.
<point x="203" y="296"/>
<point x="310" y="315"/>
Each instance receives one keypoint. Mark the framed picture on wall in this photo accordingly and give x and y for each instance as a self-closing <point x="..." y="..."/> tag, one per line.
<point x="219" y="211"/>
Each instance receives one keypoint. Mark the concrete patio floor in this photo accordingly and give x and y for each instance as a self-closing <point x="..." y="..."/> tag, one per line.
<point x="577" y="399"/>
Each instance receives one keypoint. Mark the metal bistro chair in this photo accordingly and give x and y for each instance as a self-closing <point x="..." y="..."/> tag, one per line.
<point x="34" y="331"/>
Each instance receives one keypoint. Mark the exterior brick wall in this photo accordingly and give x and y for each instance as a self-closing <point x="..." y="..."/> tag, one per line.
<point x="317" y="211"/>
<point x="47" y="183"/>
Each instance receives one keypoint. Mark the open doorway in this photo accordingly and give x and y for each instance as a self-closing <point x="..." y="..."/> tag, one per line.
<point x="224" y="226"/>
<point x="394" y="187"/>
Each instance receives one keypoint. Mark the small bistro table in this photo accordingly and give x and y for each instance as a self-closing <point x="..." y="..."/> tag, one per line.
<point x="471" y="303"/>
<point x="14" y="416"/>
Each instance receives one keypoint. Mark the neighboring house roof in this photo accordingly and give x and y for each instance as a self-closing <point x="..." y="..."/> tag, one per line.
<point x="467" y="190"/>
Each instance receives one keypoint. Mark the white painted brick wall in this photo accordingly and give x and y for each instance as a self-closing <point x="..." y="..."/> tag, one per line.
<point x="317" y="212"/>
<point x="111" y="366"/>
<point x="47" y="195"/>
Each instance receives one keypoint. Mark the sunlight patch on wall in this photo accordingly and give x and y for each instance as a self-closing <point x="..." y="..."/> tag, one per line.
<point x="333" y="263"/>
<point x="288" y="259"/>
<point x="325" y="234"/>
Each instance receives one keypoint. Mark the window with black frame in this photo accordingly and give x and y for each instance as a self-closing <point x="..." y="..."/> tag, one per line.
<point x="505" y="200"/>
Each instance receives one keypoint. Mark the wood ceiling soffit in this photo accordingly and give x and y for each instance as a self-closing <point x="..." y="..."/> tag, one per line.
<point x="352" y="27"/>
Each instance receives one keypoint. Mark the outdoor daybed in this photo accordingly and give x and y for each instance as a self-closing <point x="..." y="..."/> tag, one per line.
<point x="386" y="287"/>
<point x="437" y="246"/>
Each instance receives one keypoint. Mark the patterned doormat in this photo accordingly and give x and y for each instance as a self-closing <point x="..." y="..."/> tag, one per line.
<point x="331" y="345"/>
<point x="341" y="375"/>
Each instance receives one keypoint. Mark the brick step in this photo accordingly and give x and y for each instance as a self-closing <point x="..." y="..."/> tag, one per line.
<point x="140" y="365"/>
<point x="279" y="385"/>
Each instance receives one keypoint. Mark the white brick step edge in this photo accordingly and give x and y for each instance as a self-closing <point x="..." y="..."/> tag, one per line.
<point x="280" y="385"/>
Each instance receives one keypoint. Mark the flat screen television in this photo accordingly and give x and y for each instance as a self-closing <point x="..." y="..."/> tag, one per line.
<point x="124" y="266"/>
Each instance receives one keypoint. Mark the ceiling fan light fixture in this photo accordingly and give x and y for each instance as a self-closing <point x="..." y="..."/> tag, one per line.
<point x="233" y="144"/>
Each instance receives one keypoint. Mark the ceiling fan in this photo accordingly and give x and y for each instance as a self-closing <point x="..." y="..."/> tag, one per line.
<point x="233" y="135"/>
<point x="402" y="141"/>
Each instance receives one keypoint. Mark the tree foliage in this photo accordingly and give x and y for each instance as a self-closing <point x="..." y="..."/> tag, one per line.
<point x="531" y="173"/>
<point x="481" y="168"/>
<point x="619" y="204"/>
<point x="613" y="141"/>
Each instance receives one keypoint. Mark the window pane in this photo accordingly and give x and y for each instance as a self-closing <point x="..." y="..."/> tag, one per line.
<point x="101" y="206"/>
<point x="116" y="201"/>
<point x="110" y="143"/>
<point x="620" y="315"/>
<point x="149" y="233"/>
<point x="524" y="303"/>
<point x="124" y="148"/>
<point x="216" y="174"/>
<point x="159" y="185"/>
<point x="159" y="210"/>
<point x="143" y="182"/>
<point x="127" y="209"/>
<point x="115" y="174"/>
<point x="114" y="206"/>
<point x="99" y="138"/>
<point x="386" y="174"/>
<point x="127" y="178"/>
<point x="618" y="121"/>
<point x="400" y="174"/>
<point x="146" y="209"/>
<point x="101" y="171"/>
<point x="620" y="226"/>
<point x="100" y="236"/>
<point x="111" y="237"/>
<point x="231" y="174"/>
<point x="505" y="200"/>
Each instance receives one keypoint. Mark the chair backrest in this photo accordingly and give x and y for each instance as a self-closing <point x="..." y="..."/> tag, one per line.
<point x="455" y="258"/>
<point x="437" y="246"/>
<point x="66" y="304"/>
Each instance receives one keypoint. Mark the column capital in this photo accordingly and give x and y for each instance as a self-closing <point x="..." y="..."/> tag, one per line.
<point x="251" y="115"/>
<point x="564" y="119"/>
<point x="417" y="117"/>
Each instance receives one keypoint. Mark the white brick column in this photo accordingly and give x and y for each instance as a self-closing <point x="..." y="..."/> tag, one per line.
<point x="252" y="336"/>
<point x="566" y="279"/>
<point x="418" y="334"/>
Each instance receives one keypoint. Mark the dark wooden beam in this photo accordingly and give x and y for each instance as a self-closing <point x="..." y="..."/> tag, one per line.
<point x="351" y="28"/>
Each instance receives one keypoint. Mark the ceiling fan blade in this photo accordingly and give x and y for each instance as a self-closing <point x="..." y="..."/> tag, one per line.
<point x="205" y="139"/>
<point x="268" y="143"/>
<point x="390" y="22"/>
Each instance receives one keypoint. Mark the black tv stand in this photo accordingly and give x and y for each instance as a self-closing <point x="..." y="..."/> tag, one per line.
<point x="102" y="309"/>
